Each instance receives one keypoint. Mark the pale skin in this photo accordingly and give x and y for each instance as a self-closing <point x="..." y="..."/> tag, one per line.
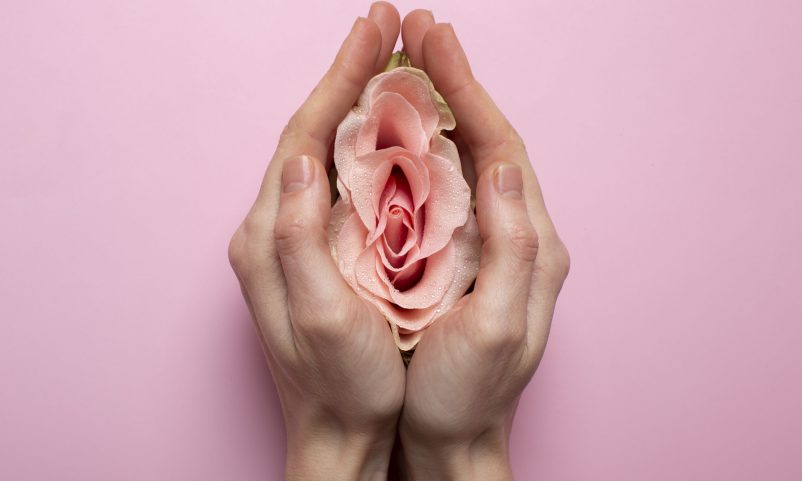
<point x="344" y="390"/>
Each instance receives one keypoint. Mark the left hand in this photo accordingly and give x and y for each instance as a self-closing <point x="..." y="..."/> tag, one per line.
<point x="336" y="368"/>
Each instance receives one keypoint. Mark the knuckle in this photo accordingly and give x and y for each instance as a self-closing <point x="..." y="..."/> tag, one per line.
<point x="237" y="250"/>
<point x="555" y="265"/>
<point x="499" y="335"/>
<point x="562" y="260"/>
<point x="349" y="73"/>
<point x="510" y="143"/>
<point x="290" y="129"/>
<point x="497" y="331"/>
<point x="558" y="261"/>
<point x="297" y="132"/>
<point x="516" y="140"/>
<point x="524" y="241"/>
<point x="322" y="324"/>
<point x="247" y="248"/>
<point x="290" y="234"/>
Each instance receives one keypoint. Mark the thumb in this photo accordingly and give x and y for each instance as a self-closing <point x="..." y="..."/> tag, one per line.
<point x="301" y="234"/>
<point x="510" y="245"/>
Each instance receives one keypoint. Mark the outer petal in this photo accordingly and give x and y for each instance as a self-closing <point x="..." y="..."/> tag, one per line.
<point x="467" y="245"/>
<point x="350" y="244"/>
<point x="392" y="121"/>
<point x="447" y="206"/>
<point x="416" y="91"/>
<point x="340" y="212"/>
<point x="444" y="147"/>
<point x="345" y="145"/>
<point x="416" y="86"/>
<point x="367" y="275"/>
<point x="407" y="82"/>
<point x="406" y="341"/>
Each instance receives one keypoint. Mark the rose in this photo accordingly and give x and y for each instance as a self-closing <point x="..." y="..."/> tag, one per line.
<point x="403" y="231"/>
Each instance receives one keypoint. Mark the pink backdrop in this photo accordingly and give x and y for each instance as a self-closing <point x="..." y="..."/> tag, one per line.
<point x="668" y="139"/>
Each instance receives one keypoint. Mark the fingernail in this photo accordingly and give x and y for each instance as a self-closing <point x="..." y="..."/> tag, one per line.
<point x="372" y="11"/>
<point x="297" y="174"/>
<point x="509" y="181"/>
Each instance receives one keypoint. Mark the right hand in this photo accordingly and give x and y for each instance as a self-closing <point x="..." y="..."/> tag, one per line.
<point x="469" y="370"/>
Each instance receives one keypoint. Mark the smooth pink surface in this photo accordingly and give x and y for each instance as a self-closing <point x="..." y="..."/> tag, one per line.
<point x="668" y="139"/>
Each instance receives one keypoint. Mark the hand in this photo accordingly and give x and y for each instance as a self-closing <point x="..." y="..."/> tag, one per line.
<point x="336" y="368"/>
<point x="470" y="367"/>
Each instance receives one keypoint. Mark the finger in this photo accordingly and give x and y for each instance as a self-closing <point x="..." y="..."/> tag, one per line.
<point x="313" y="126"/>
<point x="466" y="161"/>
<point x="483" y="126"/>
<point x="509" y="250"/>
<point x="415" y="26"/>
<point x="389" y="22"/>
<point x="313" y="280"/>
<point x="490" y="137"/>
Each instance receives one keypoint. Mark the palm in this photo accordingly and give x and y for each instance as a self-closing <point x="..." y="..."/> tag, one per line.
<point x="448" y="374"/>
<point x="373" y="356"/>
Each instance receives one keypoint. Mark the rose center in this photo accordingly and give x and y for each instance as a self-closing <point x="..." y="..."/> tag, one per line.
<point x="396" y="232"/>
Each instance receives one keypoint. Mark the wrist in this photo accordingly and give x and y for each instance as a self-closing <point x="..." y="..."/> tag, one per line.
<point x="330" y="450"/>
<point x="484" y="457"/>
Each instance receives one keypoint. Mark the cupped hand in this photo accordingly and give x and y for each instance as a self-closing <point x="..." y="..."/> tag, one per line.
<point x="336" y="368"/>
<point x="470" y="368"/>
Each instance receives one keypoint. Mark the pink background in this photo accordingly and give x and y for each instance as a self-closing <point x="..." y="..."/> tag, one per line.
<point x="668" y="139"/>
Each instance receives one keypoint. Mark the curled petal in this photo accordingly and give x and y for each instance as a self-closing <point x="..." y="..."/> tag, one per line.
<point x="406" y="340"/>
<point x="391" y="122"/>
<point x="432" y="286"/>
<point x="367" y="275"/>
<point x="419" y="91"/>
<point x="416" y="88"/>
<point x="447" y="206"/>
<point x="349" y="245"/>
<point x="370" y="175"/>
<point x="345" y="147"/>
<point x="395" y="234"/>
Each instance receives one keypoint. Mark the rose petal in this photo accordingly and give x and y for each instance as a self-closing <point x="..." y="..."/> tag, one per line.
<point x="467" y="245"/>
<point x="391" y="122"/>
<point x="391" y="261"/>
<point x="409" y="276"/>
<point x="340" y="212"/>
<point x="447" y="206"/>
<point x="432" y="286"/>
<point x="395" y="262"/>
<point x="345" y="146"/>
<point x="350" y="243"/>
<point x="368" y="275"/>
<point x="419" y="91"/>
<point x="370" y="174"/>
<point x="445" y="148"/>
<point x="395" y="233"/>
<point x="408" y="83"/>
<point x="403" y="196"/>
<point x="406" y="341"/>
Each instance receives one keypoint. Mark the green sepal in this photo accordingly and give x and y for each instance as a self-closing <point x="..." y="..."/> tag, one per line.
<point x="398" y="59"/>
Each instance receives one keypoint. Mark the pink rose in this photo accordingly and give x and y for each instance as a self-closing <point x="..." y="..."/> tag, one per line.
<point x="403" y="231"/>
